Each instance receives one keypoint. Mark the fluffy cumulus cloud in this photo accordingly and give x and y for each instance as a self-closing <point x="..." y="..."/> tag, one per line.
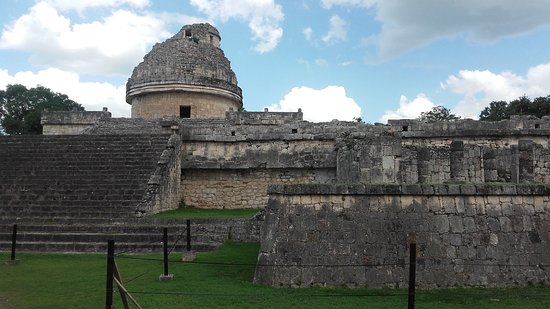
<point x="408" y="109"/>
<point x="409" y="24"/>
<point x="479" y="88"/>
<point x="112" y="45"/>
<point x="264" y="18"/>
<point x="337" y="31"/>
<point x="92" y="95"/>
<point x="319" y="104"/>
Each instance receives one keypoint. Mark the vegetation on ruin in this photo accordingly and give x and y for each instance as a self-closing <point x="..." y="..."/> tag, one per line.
<point x="438" y="113"/>
<point x="200" y="213"/>
<point x="21" y="108"/>
<point x="222" y="278"/>
<point x="500" y="110"/>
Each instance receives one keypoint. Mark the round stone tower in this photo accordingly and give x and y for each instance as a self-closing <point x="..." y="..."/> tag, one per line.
<point x="187" y="75"/>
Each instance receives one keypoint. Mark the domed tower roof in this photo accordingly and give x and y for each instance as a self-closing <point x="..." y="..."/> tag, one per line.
<point x="190" y="61"/>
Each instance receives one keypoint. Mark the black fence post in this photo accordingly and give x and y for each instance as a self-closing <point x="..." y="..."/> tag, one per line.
<point x="13" y="242"/>
<point x="12" y="260"/>
<point x="110" y="273"/>
<point x="188" y="222"/>
<point x="412" y="275"/>
<point x="165" y="243"/>
<point x="165" y="276"/>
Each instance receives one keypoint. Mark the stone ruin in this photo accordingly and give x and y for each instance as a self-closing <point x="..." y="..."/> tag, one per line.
<point x="342" y="200"/>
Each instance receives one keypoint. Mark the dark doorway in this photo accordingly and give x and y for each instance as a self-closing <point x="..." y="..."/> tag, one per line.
<point x="185" y="111"/>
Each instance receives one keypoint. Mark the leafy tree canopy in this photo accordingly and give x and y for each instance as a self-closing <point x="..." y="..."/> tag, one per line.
<point x="438" y="113"/>
<point x="499" y="110"/>
<point x="21" y="108"/>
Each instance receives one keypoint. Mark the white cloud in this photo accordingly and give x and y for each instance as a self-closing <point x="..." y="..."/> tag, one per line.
<point x="308" y="33"/>
<point x="92" y="95"/>
<point x="263" y="17"/>
<point x="319" y="105"/>
<point x="479" y="88"/>
<point x="113" y="45"/>
<point x="408" y="109"/>
<point x="410" y="24"/>
<point x="337" y="31"/>
<point x="81" y="5"/>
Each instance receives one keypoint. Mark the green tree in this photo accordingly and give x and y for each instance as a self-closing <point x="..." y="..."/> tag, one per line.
<point x="499" y="110"/>
<point x="438" y="113"/>
<point x="21" y="108"/>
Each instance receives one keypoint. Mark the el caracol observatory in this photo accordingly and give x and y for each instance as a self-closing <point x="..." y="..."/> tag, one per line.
<point x="187" y="75"/>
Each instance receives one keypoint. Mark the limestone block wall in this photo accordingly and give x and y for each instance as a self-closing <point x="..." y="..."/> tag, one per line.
<point x="70" y="123"/>
<point x="241" y="188"/>
<point x="394" y="159"/>
<point x="163" y="187"/>
<point x="167" y="103"/>
<point x="357" y="235"/>
<point x="259" y="154"/>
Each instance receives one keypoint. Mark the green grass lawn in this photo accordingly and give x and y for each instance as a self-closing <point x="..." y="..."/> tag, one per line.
<point x="199" y="213"/>
<point x="78" y="281"/>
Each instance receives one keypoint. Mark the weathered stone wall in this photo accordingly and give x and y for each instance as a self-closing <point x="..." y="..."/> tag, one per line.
<point x="163" y="104"/>
<point x="241" y="188"/>
<point x="300" y="154"/>
<point x="357" y="235"/>
<point x="70" y="123"/>
<point x="163" y="187"/>
<point x="130" y="126"/>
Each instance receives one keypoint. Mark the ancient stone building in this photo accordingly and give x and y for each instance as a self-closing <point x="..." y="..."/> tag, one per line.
<point x="186" y="76"/>
<point x="342" y="200"/>
<point x="70" y="123"/>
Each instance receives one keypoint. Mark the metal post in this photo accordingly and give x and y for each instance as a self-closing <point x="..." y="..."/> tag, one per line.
<point x="165" y="276"/>
<point x="412" y="275"/>
<point x="165" y="242"/>
<point x="110" y="272"/>
<point x="188" y="235"/>
<point x="13" y="242"/>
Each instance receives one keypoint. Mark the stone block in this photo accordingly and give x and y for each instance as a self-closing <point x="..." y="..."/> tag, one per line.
<point x="455" y="224"/>
<point x="441" y="223"/>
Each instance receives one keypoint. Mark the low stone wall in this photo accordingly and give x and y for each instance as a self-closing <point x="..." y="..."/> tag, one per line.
<point x="70" y="123"/>
<point x="241" y="188"/>
<point x="357" y="235"/>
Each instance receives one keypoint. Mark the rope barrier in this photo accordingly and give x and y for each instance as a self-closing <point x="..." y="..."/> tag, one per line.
<point x="328" y="265"/>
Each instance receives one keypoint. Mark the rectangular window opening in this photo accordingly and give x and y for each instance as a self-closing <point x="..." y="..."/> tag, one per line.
<point x="185" y="111"/>
<point x="405" y="128"/>
<point x="537" y="125"/>
<point x="294" y="131"/>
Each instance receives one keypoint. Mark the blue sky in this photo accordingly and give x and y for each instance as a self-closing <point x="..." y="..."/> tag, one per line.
<point x="378" y="59"/>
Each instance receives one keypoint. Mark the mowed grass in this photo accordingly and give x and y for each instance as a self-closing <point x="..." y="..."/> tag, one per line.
<point x="78" y="281"/>
<point x="199" y="213"/>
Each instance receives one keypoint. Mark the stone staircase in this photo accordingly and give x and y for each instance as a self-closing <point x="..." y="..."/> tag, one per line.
<point x="73" y="193"/>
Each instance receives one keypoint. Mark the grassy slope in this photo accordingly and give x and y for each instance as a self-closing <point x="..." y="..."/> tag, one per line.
<point x="78" y="281"/>
<point x="198" y="213"/>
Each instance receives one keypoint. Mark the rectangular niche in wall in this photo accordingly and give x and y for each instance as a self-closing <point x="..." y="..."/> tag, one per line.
<point x="185" y="111"/>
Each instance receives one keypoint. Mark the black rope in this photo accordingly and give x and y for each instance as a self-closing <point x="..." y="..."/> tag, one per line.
<point x="259" y="295"/>
<point x="327" y="265"/>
